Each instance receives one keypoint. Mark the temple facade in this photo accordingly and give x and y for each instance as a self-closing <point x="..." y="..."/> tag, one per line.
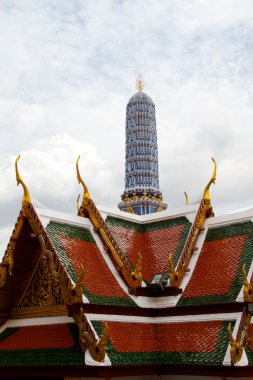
<point x="142" y="194"/>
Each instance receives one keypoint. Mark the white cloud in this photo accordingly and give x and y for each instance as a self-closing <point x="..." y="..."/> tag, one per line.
<point x="68" y="69"/>
<point x="49" y="171"/>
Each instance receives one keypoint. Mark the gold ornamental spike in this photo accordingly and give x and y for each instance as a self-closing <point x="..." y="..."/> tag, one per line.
<point x="140" y="84"/>
<point x="77" y="203"/>
<point x="86" y="194"/>
<point x="212" y="180"/>
<point x="186" y="198"/>
<point x="247" y="286"/>
<point x="26" y="201"/>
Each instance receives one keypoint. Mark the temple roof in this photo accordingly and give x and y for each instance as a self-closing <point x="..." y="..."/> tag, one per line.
<point x="88" y="290"/>
<point x="182" y="328"/>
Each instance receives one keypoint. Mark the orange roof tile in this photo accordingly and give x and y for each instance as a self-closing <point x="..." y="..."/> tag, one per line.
<point x="39" y="337"/>
<point x="154" y="241"/>
<point x="98" y="279"/>
<point x="165" y="337"/>
<point x="216" y="267"/>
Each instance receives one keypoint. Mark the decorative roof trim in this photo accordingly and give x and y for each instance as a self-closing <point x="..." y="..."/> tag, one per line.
<point x="47" y="249"/>
<point x="247" y="286"/>
<point x="37" y="311"/>
<point x="88" y="208"/>
<point x="204" y="211"/>
<point x="239" y="343"/>
<point x="7" y="263"/>
<point x="206" y="195"/>
<point x="87" y="337"/>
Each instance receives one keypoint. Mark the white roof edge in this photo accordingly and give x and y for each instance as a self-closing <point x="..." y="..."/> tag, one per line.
<point x="239" y="216"/>
<point x="36" y="321"/>
<point x="46" y="215"/>
<point x="157" y="216"/>
<point x="236" y="217"/>
<point x="165" y="319"/>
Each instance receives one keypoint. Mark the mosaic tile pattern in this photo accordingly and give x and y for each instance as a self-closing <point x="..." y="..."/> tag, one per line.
<point x="141" y="166"/>
<point x="33" y="345"/>
<point x="166" y="343"/>
<point x="155" y="241"/>
<point x="76" y="245"/>
<point x="217" y="276"/>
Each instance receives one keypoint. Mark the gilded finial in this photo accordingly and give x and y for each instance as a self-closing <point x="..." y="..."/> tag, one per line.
<point x="174" y="275"/>
<point x="86" y="194"/>
<point x="186" y="198"/>
<point x="137" y="273"/>
<point x="140" y="84"/>
<point x="77" y="203"/>
<point x="247" y="286"/>
<point x="26" y="201"/>
<point x="237" y="345"/>
<point x="212" y="180"/>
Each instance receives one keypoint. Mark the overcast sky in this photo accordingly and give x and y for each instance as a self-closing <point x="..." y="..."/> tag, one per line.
<point x="68" y="69"/>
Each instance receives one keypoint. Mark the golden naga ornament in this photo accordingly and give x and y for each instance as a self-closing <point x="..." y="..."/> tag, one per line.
<point x="73" y="294"/>
<point x="86" y="194"/>
<point x="186" y="198"/>
<point x="87" y="337"/>
<point x="89" y="209"/>
<point x="137" y="272"/>
<point x="206" y="195"/>
<point x="240" y="343"/>
<point x="26" y="201"/>
<point x="174" y="275"/>
<point x="247" y="286"/>
<point x="77" y="204"/>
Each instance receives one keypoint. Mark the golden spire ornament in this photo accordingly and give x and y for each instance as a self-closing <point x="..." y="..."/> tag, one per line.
<point x="140" y="84"/>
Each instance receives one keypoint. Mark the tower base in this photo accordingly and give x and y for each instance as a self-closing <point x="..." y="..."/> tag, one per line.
<point x="142" y="206"/>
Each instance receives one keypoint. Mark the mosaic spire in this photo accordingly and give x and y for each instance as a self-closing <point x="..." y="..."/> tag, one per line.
<point x="142" y="194"/>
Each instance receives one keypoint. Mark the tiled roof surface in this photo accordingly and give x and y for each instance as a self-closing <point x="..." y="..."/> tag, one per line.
<point x="166" y="343"/>
<point x="47" y="344"/>
<point x="155" y="241"/>
<point x="76" y="246"/>
<point x="217" y="276"/>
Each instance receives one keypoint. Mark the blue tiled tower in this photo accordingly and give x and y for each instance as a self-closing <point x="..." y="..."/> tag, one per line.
<point x="142" y="194"/>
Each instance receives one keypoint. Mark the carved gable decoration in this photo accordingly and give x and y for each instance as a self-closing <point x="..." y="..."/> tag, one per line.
<point x="44" y="289"/>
